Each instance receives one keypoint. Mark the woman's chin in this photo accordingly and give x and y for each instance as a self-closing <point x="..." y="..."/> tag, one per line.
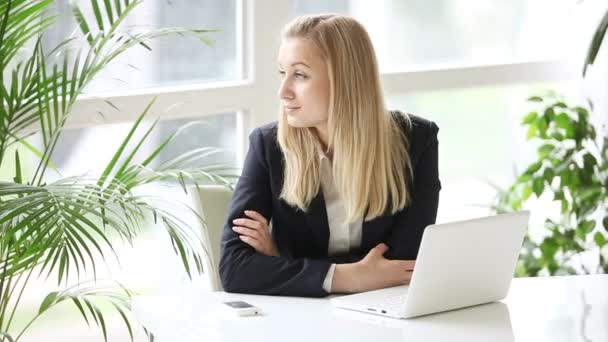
<point x="294" y="122"/>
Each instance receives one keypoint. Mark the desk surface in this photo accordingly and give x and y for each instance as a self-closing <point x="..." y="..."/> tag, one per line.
<point x="568" y="309"/>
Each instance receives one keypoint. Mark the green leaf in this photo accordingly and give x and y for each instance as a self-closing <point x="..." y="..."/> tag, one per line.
<point x="565" y="178"/>
<point x="559" y="195"/>
<point x="542" y="127"/>
<point x="600" y="239"/>
<point x="565" y="206"/>
<point x="589" y="162"/>
<point x="97" y="14"/>
<point x="570" y="132"/>
<point x="596" y="42"/>
<point x="538" y="185"/>
<point x="557" y="136"/>
<point x="48" y="301"/>
<point x="548" y="174"/>
<point x="37" y="153"/>
<point x="560" y="105"/>
<point x="589" y="192"/>
<point x="531" y="117"/>
<point x="548" y="248"/>
<point x="531" y="132"/>
<point x="81" y="309"/>
<point x="17" y="178"/>
<point x="106" y="172"/>
<point x="549" y="115"/>
<point x="545" y="149"/>
<point x="587" y="226"/>
<point x="605" y="223"/>
<point x="108" y="7"/>
<point x="562" y="120"/>
<point x="526" y="192"/>
<point x="582" y="112"/>
<point x="533" y="168"/>
<point x="535" y="99"/>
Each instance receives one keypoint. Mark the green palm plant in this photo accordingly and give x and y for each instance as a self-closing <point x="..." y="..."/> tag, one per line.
<point x="63" y="227"/>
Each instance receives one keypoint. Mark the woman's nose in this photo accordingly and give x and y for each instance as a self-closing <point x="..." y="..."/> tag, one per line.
<point x="285" y="91"/>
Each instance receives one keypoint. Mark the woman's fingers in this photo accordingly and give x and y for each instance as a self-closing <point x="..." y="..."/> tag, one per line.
<point x="251" y="242"/>
<point x="248" y="223"/>
<point x="254" y="232"/>
<point x="257" y="216"/>
<point x="247" y="232"/>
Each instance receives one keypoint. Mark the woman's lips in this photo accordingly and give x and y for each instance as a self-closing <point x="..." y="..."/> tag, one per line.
<point x="291" y="109"/>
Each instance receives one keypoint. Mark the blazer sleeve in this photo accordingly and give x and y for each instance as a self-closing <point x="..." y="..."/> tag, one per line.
<point x="242" y="269"/>
<point x="404" y="241"/>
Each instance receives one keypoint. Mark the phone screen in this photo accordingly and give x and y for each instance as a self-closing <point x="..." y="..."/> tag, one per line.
<point x="238" y="305"/>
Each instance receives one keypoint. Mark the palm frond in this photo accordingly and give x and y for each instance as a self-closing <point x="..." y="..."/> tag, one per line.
<point x="62" y="227"/>
<point x="86" y="297"/>
<point x="46" y="97"/>
<point x="186" y="244"/>
<point x="63" y="217"/>
<point x="35" y="152"/>
<point x="105" y="176"/>
<point x="21" y="21"/>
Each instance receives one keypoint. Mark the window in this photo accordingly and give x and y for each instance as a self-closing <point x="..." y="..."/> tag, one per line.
<point x="89" y="149"/>
<point x="420" y="34"/>
<point x="173" y="60"/>
<point x="481" y="140"/>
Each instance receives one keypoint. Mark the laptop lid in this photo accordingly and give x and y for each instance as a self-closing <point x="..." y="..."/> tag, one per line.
<point x="465" y="263"/>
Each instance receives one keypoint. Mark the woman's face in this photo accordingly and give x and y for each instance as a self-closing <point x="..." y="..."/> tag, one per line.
<point x="304" y="90"/>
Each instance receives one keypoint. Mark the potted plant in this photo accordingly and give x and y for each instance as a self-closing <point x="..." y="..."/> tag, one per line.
<point x="64" y="226"/>
<point x="572" y="166"/>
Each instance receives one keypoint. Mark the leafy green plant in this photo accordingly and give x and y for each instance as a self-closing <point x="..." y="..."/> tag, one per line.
<point x="65" y="227"/>
<point x="572" y="166"/>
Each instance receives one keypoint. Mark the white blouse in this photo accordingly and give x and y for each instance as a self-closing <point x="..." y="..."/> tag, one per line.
<point x="342" y="236"/>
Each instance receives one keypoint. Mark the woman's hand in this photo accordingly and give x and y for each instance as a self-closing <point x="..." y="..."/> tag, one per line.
<point x="254" y="232"/>
<point x="372" y="272"/>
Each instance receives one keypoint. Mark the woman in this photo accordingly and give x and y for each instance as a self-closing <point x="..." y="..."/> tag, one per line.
<point x="348" y="185"/>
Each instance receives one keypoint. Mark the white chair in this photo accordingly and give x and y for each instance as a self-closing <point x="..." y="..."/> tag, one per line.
<point x="211" y="202"/>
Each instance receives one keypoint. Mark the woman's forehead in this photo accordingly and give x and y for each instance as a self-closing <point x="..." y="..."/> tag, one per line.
<point x="298" y="50"/>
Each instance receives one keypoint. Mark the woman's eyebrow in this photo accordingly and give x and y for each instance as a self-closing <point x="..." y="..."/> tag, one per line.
<point x="296" y="63"/>
<point x="301" y="63"/>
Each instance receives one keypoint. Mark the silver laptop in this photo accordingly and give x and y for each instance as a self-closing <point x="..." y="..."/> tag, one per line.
<point x="459" y="264"/>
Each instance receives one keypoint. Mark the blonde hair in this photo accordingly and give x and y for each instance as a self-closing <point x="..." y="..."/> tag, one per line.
<point x="371" y="166"/>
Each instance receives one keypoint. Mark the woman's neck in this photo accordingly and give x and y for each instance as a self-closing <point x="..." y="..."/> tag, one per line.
<point x="323" y="136"/>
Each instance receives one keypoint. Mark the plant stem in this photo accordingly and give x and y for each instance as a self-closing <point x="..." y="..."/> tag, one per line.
<point x="10" y="319"/>
<point x="26" y="327"/>
<point x="4" y="297"/>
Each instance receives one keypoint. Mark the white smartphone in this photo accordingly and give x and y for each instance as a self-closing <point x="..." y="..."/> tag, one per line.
<point x="241" y="308"/>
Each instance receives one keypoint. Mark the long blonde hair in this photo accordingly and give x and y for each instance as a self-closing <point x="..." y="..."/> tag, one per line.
<point x="371" y="166"/>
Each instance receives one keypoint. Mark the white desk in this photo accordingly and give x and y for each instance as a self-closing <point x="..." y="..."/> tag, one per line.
<point x="536" y="309"/>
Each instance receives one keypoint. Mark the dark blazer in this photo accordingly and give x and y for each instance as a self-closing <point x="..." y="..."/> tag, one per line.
<point x="302" y="238"/>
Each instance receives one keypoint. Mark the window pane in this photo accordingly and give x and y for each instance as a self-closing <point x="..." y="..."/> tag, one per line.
<point x="174" y="60"/>
<point x="88" y="150"/>
<point x="432" y="33"/>
<point x="481" y="140"/>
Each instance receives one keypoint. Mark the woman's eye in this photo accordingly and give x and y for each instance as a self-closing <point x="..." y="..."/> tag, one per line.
<point x="296" y="75"/>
